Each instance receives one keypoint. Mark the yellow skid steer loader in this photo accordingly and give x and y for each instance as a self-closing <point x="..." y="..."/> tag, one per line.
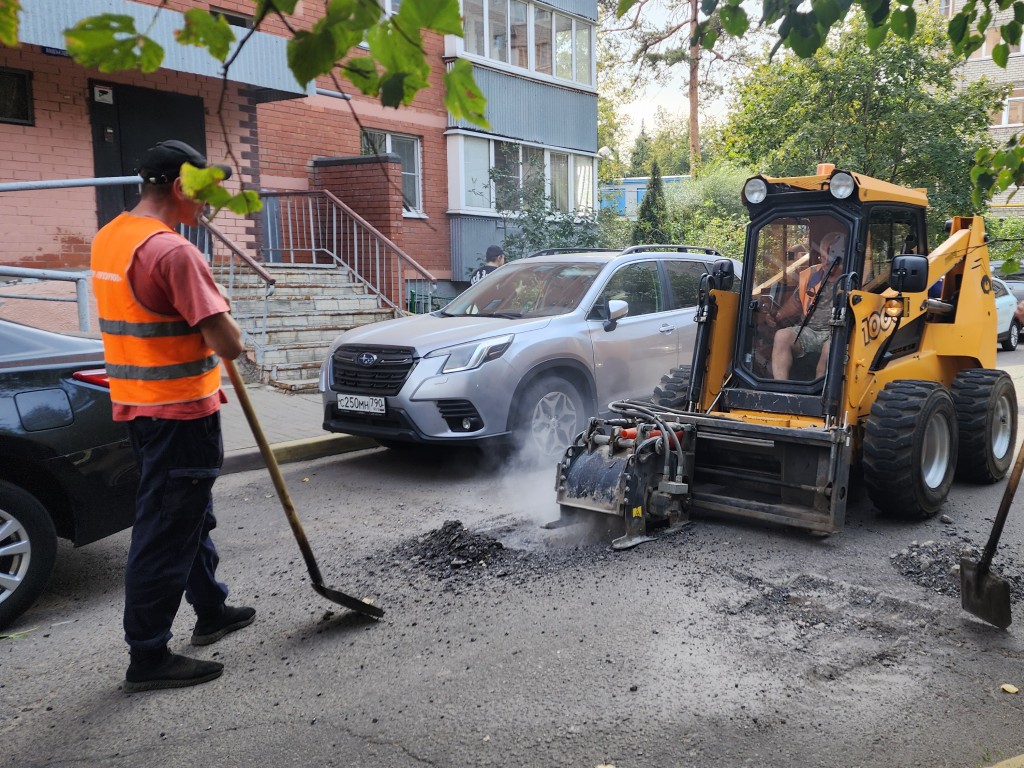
<point x="846" y="345"/>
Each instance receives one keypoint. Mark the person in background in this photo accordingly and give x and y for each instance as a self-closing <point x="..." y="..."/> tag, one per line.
<point x="493" y="259"/>
<point x="165" y="325"/>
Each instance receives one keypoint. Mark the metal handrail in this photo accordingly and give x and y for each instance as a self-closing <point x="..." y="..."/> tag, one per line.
<point x="80" y="279"/>
<point x="300" y="229"/>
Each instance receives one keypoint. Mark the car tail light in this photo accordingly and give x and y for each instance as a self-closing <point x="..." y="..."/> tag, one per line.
<point x="96" y="376"/>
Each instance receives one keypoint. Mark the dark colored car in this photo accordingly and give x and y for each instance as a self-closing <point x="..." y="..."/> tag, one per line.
<point x="66" y="468"/>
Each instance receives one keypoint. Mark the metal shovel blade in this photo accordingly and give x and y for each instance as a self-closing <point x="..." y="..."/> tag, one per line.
<point x="352" y="603"/>
<point x="984" y="595"/>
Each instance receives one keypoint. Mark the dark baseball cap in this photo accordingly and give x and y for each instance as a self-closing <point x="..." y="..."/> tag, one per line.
<point x="162" y="164"/>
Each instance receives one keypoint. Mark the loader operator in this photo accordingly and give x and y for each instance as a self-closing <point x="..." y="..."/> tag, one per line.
<point x="165" y="323"/>
<point x="805" y="320"/>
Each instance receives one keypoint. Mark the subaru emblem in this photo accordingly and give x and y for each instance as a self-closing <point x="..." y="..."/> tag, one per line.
<point x="366" y="358"/>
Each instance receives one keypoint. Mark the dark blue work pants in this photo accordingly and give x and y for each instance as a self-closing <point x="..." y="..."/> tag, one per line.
<point x="171" y="551"/>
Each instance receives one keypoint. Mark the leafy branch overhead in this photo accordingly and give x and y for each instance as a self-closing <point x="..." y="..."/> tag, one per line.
<point x="804" y="27"/>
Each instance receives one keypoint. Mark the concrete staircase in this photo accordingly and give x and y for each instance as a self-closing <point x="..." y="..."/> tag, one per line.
<point x="310" y="306"/>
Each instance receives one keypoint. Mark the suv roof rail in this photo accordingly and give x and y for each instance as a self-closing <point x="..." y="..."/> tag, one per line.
<point x="671" y="247"/>
<point x="553" y="251"/>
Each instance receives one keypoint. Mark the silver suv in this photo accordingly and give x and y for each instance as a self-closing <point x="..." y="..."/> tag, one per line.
<point x="529" y="352"/>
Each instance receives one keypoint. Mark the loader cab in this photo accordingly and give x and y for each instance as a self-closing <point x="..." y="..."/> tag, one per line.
<point x="807" y="249"/>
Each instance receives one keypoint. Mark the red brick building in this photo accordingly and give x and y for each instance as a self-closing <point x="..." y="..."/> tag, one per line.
<point x="62" y="121"/>
<point x="417" y="175"/>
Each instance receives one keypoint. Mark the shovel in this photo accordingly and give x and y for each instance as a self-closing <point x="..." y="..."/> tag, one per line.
<point x="981" y="593"/>
<point x="352" y="603"/>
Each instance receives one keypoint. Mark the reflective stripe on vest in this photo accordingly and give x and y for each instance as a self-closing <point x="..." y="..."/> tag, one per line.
<point x="151" y="359"/>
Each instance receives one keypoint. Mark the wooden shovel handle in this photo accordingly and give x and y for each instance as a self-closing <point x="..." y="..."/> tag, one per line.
<point x="1004" y="509"/>
<point x="275" y="471"/>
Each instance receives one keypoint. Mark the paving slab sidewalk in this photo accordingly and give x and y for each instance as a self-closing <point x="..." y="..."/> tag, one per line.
<point x="291" y="422"/>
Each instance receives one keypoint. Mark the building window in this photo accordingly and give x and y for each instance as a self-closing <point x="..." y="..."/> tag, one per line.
<point x="496" y="174"/>
<point x="560" y="182"/>
<point x="542" y="41"/>
<point x="408" y="150"/>
<point x="476" y="172"/>
<point x="233" y="18"/>
<point x="993" y="36"/>
<point x="561" y="45"/>
<point x="16" y="96"/>
<point x="1012" y="112"/>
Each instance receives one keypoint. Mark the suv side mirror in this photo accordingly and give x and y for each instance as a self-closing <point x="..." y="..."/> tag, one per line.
<point x="909" y="273"/>
<point x="723" y="273"/>
<point x="617" y="309"/>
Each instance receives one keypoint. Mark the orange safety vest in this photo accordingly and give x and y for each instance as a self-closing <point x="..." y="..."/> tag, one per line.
<point x="806" y="293"/>
<point x="151" y="359"/>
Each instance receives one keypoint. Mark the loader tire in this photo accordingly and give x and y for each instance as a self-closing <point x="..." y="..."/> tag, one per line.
<point x="671" y="393"/>
<point x="986" y="412"/>
<point x="910" y="449"/>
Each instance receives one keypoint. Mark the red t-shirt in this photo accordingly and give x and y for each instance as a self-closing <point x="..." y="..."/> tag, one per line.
<point x="170" y="276"/>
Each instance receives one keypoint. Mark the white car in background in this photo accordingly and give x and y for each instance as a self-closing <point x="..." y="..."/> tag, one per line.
<point x="1008" y="326"/>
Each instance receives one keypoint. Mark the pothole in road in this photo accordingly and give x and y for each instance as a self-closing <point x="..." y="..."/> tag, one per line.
<point x="456" y="552"/>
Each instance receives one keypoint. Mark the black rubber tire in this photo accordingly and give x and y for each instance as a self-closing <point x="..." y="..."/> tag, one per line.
<point x="1013" y="337"/>
<point x="986" y="412"/>
<point x="549" y="415"/>
<point x="910" y="449"/>
<point x="671" y="393"/>
<point x="24" y="521"/>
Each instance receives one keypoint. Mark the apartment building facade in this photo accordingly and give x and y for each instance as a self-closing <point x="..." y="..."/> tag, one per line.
<point x="1009" y="120"/>
<point x="417" y="175"/>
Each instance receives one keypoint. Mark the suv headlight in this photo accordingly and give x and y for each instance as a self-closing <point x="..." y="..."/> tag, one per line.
<point x="466" y="357"/>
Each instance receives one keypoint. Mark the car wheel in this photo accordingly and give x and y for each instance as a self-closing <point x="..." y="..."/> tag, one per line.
<point x="550" y="415"/>
<point x="910" y="449"/>
<point x="1013" y="337"/>
<point x="986" y="409"/>
<point x="28" y="548"/>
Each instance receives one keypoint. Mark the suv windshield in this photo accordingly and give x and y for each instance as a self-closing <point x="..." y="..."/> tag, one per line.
<point x="527" y="289"/>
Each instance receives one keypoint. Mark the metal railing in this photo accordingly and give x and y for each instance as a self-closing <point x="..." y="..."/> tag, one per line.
<point x="80" y="279"/>
<point x="317" y="229"/>
<point x="228" y="263"/>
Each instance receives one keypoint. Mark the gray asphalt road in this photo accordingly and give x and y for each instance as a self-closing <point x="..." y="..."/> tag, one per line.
<point x="728" y="644"/>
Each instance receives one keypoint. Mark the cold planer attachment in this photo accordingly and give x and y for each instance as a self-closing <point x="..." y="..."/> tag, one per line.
<point x="656" y="465"/>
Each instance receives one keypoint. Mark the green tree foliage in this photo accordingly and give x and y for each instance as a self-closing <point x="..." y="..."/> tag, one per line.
<point x="1006" y="241"/>
<point x="670" y="145"/>
<point x="640" y="157"/>
<point x="652" y="216"/>
<point x="706" y="210"/>
<point x="532" y="222"/>
<point x="803" y="28"/>
<point x="895" y="112"/>
<point x="612" y="91"/>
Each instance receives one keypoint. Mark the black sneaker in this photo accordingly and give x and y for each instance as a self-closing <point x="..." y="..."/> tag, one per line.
<point x="210" y="629"/>
<point x="168" y="670"/>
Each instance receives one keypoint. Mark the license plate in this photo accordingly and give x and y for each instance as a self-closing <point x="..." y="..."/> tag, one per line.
<point x="361" y="403"/>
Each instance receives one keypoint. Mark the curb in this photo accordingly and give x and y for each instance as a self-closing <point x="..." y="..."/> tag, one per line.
<point x="306" y="449"/>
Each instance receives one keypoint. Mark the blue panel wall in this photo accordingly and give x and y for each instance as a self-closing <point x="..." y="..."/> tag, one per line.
<point x="262" y="63"/>
<point x="586" y="9"/>
<point x="524" y="109"/>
